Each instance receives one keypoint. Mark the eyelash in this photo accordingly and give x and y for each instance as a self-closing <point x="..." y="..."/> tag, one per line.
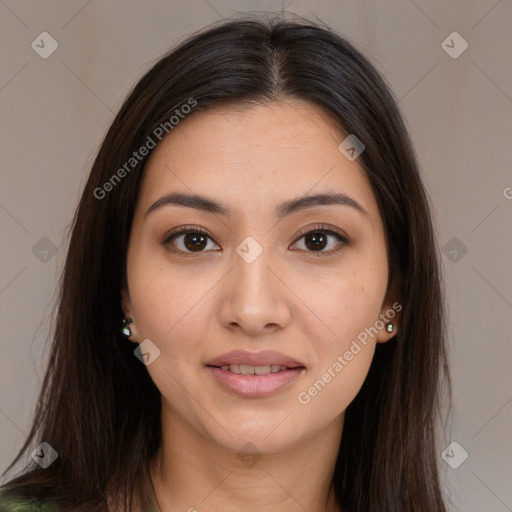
<point x="322" y="228"/>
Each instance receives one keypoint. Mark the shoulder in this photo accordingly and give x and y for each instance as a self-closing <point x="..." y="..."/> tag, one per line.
<point x="17" y="504"/>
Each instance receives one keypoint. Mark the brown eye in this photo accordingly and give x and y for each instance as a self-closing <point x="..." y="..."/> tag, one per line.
<point x="188" y="241"/>
<point x="195" y="241"/>
<point x="318" y="239"/>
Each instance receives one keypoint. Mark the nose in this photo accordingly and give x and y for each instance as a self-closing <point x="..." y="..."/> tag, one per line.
<point x="255" y="298"/>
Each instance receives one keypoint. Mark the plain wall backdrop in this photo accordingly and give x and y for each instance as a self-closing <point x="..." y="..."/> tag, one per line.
<point x="457" y="102"/>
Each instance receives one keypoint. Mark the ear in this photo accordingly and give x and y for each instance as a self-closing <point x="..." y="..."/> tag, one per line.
<point x="390" y="312"/>
<point x="126" y="306"/>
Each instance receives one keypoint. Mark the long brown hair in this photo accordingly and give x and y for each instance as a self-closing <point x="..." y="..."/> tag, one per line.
<point x="98" y="407"/>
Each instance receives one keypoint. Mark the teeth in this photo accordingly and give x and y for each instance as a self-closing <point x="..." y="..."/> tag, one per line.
<point x="262" y="370"/>
<point x="249" y="369"/>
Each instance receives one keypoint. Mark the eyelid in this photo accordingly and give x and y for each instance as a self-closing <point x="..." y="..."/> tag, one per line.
<point x="326" y="228"/>
<point x="183" y="230"/>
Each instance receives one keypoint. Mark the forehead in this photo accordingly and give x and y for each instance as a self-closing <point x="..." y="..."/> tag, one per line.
<point x="252" y="155"/>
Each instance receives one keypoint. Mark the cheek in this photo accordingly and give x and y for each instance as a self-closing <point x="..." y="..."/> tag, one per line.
<point x="344" y="305"/>
<point x="343" y="354"/>
<point x="167" y="304"/>
<point x="348" y="307"/>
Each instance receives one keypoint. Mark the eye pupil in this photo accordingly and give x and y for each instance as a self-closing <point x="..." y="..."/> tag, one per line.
<point x="194" y="238"/>
<point x="318" y="240"/>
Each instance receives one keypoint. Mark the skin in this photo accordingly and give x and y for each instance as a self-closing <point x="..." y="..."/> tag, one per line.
<point x="307" y="304"/>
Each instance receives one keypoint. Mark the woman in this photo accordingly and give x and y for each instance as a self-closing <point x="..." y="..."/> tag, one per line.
<point x="251" y="311"/>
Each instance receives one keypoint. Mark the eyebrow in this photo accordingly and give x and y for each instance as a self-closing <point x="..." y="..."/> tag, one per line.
<point x="206" y="204"/>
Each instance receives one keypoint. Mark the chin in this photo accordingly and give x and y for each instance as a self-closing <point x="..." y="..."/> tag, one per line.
<point x="265" y="436"/>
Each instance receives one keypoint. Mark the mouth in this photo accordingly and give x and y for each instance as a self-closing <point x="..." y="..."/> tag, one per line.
<point x="249" y="369"/>
<point x="255" y="375"/>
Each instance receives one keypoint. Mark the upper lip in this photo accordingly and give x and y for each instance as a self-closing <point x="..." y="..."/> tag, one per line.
<point x="263" y="358"/>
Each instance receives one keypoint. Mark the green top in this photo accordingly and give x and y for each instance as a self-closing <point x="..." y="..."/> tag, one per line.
<point x="8" y="504"/>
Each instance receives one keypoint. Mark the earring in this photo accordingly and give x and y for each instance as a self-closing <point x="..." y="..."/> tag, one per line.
<point x="389" y="327"/>
<point x="125" y="329"/>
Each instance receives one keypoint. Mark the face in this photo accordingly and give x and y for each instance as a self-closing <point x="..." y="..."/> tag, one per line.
<point x="292" y="295"/>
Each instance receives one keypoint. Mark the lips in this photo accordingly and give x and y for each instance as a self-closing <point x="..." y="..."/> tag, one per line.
<point x="255" y="375"/>
<point x="264" y="358"/>
<point x="249" y="369"/>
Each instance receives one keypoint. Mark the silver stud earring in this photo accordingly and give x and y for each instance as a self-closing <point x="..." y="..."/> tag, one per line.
<point x="389" y="327"/>
<point x="126" y="329"/>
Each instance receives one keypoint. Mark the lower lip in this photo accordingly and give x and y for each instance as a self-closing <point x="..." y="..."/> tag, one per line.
<point x="255" y="386"/>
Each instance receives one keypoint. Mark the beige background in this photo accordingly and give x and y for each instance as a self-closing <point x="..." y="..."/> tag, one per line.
<point x="55" y="112"/>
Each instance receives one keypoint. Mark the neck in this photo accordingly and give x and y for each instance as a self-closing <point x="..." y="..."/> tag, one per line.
<point x="193" y="473"/>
